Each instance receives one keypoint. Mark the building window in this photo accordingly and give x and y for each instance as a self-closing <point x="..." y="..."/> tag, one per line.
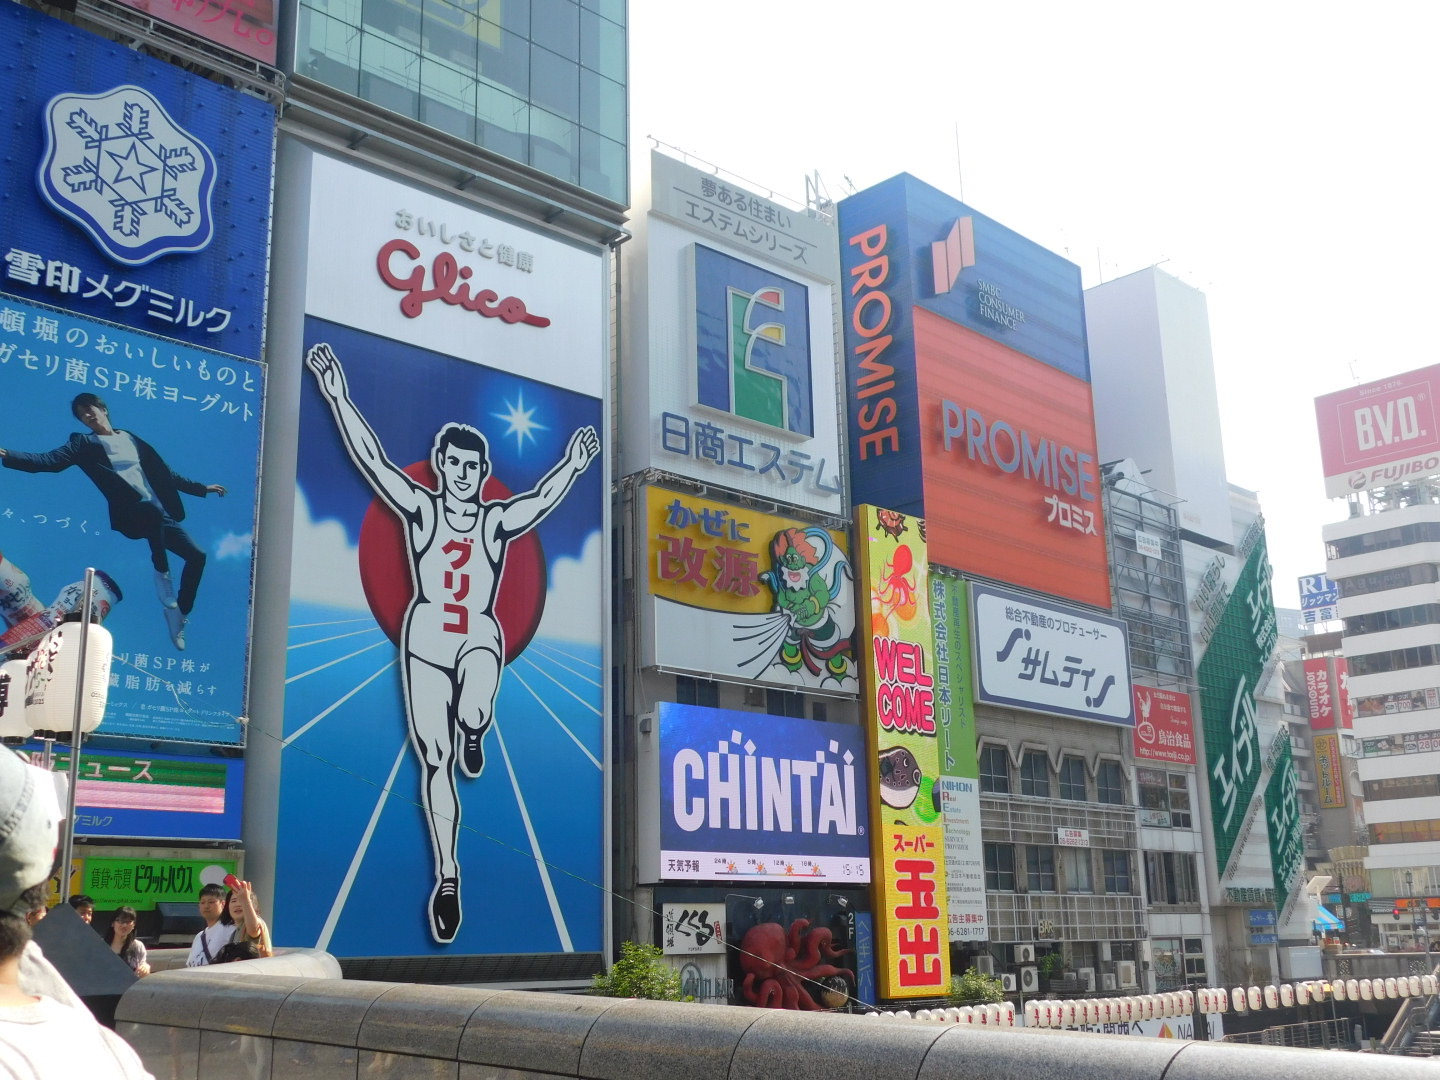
<point x="785" y="703"/>
<point x="1039" y="868"/>
<point x="1035" y="774"/>
<point x="1110" y="783"/>
<point x="1000" y="867"/>
<point x="1195" y="960"/>
<point x="1402" y="787"/>
<point x="1405" y="832"/>
<point x="690" y="691"/>
<point x="1385" y="580"/>
<point x="1395" y="660"/>
<point x="1117" y="872"/>
<point x="1072" y="778"/>
<point x="1079" y="874"/>
<point x="818" y="711"/>
<point x="1170" y="878"/>
<point x="1164" y="799"/>
<point x="995" y="770"/>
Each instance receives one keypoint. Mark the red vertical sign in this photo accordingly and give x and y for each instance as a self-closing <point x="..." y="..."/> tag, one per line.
<point x="1318" y="690"/>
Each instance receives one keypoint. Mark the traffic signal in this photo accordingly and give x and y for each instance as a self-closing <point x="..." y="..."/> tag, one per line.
<point x="1395" y="911"/>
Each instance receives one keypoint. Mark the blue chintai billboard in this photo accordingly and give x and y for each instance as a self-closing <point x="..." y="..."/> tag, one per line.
<point x="135" y="192"/>
<point x="106" y="413"/>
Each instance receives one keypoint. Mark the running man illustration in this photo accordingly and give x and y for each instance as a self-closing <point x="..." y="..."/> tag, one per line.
<point x="451" y="642"/>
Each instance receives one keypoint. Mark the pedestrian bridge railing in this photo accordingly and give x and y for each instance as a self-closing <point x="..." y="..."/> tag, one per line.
<point x="293" y="1018"/>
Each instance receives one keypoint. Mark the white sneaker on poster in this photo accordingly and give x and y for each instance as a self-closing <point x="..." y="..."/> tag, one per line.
<point x="176" y="619"/>
<point x="165" y="589"/>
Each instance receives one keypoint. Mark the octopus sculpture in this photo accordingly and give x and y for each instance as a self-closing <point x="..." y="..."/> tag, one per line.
<point x="783" y="969"/>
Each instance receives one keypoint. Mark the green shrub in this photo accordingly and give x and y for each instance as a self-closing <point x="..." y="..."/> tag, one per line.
<point x="641" y="972"/>
<point x="976" y="988"/>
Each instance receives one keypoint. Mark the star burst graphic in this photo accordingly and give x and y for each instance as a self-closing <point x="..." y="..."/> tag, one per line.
<point x="519" y="421"/>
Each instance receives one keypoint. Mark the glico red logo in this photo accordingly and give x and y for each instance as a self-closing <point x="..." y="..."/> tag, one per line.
<point x="449" y="283"/>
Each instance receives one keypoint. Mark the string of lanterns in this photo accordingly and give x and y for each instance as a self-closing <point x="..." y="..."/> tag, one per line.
<point x="1045" y="1013"/>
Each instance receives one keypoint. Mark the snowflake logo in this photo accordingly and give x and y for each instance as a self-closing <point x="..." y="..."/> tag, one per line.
<point x="119" y="167"/>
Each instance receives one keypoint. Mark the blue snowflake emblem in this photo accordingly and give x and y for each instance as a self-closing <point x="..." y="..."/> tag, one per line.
<point x="119" y="167"/>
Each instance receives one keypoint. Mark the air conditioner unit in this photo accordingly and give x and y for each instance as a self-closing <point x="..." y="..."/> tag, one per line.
<point x="1007" y="981"/>
<point x="1125" y="972"/>
<point x="1030" y="979"/>
<point x="1024" y="954"/>
<point x="1107" y="981"/>
<point x="985" y="965"/>
<point x="1087" y="979"/>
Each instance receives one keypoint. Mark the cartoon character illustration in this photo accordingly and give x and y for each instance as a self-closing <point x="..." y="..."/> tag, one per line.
<point x="451" y="642"/>
<point x="810" y="579"/>
<point x="1146" y="730"/>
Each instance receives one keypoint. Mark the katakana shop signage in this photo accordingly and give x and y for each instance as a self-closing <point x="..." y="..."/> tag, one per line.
<point x="1329" y="772"/>
<point x="1319" y="693"/>
<point x="1282" y="820"/>
<point x="143" y="882"/>
<point x="1041" y="656"/>
<point x="734" y="369"/>
<point x="150" y="203"/>
<point x="247" y="27"/>
<point x="1229" y="674"/>
<point x="138" y="456"/>
<point x="157" y="796"/>
<point x="959" y="768"/>
<point x="912" y="921"/>
<point x="445" y="697"/>
<point x="1164" y="725"/>
<point x="743" y="594"/>
<point x="746" y="796"/>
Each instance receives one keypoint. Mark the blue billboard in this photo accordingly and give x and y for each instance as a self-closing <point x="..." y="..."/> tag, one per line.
<point x="758" y="797"/>
<point x="139" y="457"/>
<point x="137" y="193"/>
<point x="903" y="245"/>
<point x="444" y="714"/>
<point x="144" y="795"/>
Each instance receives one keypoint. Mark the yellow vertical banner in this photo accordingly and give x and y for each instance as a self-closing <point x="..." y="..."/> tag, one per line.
<point x="908" y="840"/>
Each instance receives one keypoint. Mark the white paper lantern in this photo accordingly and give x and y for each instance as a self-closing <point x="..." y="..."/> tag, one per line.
<point x="1007" y="1015"/>
<point x="1302" y="993"/>
<point x="52" y="679"/>
<point x="1392" y="987"/>
<point x="1254" y="998"/>
<point x="1429" y="984"/>
<point x="13" y="724"/>
<point x="1187" y="1002"/>
<point x="1415" y="986"/>
<point x="1032" y="1014"/>
<point x="1287" y="995"/>
<point x="1367" y="991"/>
<point x="1237" y="998"/>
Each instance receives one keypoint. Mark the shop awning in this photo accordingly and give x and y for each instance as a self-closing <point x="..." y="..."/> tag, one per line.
<point x="1326" y="920"/>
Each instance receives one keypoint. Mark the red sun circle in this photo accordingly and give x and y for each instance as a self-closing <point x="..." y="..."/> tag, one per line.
<point x="385" y="569"/>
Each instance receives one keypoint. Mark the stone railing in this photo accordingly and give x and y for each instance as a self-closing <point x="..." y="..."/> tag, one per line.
<point x="299" y="1023"/>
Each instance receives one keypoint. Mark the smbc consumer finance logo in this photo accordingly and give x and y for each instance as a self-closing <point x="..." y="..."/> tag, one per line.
<point x="123" y="170"/>
<point x="752" y="342"/>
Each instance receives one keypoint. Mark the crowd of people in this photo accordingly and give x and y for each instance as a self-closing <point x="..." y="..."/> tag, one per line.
<point x="45" y="1029"/>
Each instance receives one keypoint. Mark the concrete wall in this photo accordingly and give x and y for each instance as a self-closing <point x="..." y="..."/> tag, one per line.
<point x="241" y="1021"/>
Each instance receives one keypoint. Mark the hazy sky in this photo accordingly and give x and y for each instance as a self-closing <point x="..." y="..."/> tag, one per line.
<point x="1280" y="157"/>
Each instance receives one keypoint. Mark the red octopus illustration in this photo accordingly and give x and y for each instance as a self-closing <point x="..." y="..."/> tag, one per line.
<point x="776" y="972"/>
<point x="893" y="594"/>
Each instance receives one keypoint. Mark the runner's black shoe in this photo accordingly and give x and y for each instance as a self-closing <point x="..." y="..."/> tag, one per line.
<point x="472" y="752"/>
<point x="445" y="909"/>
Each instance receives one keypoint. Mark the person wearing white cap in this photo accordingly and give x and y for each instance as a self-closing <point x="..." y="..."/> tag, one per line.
<point x="45" y="1030"/>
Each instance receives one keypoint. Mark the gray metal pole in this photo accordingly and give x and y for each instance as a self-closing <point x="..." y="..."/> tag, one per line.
<point x="67" y="839"/>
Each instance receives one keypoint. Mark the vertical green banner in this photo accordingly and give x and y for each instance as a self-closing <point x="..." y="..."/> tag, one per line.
<point x="1282" y="815"/>
<point x="1228" y="677"/>
<point x="959" y="771"/>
